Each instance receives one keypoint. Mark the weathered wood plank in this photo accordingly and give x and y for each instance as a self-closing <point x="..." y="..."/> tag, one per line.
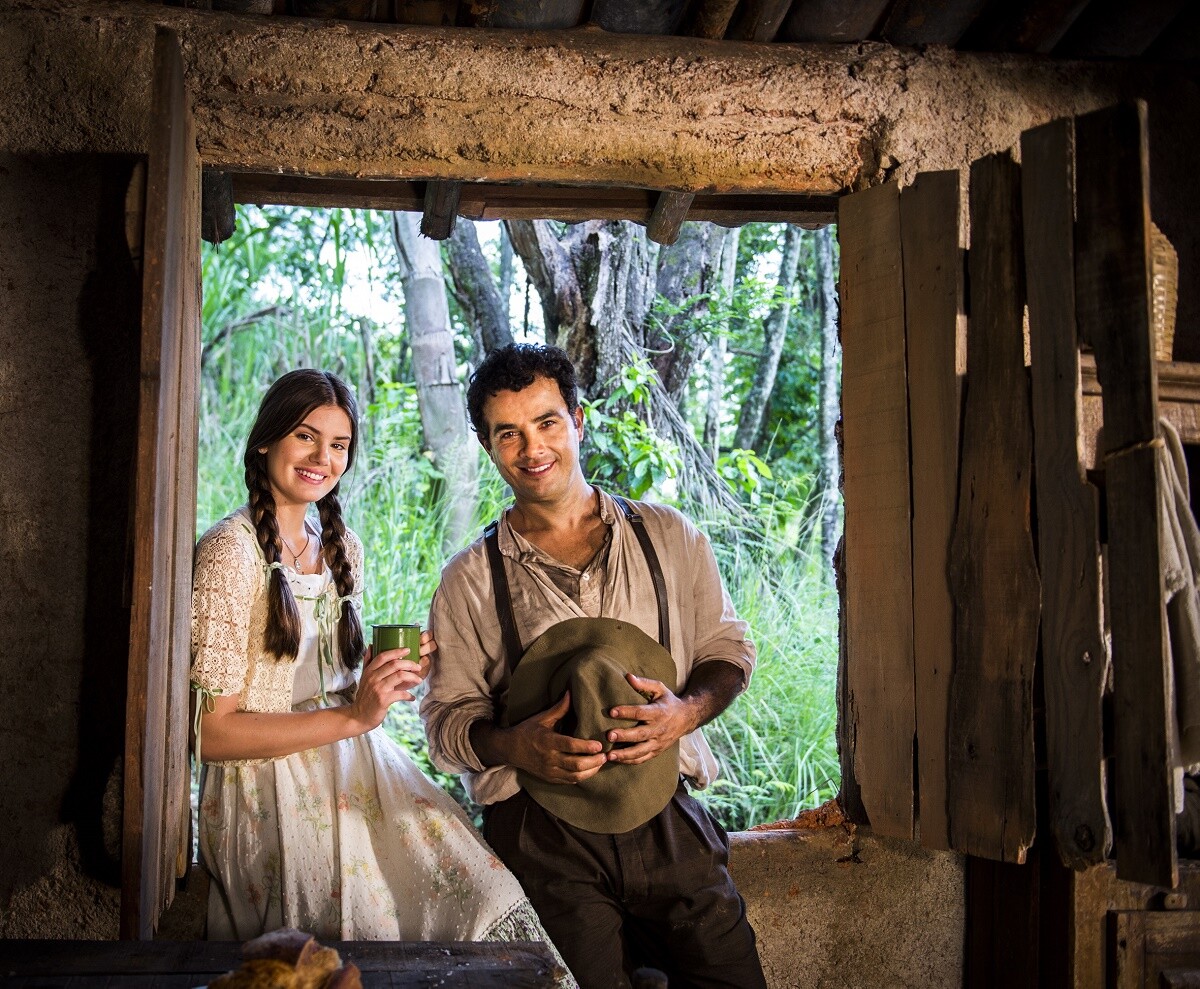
<point x="440" y="209"/>
<point x="993" y="572"/>
<point x="1024" y="25"/>
<point x="1112" y="276"/>
<point x="1112" y="29"/>
<point x="758" y="20"/>
<point x="878" y="550"/>
<point x="930" y="22"/>
<point x="143" y="885"/>
<point x="1074" y="655"/>
<point x="528" y="15"/>
<point x="710" y="19"/>
<point x="670" y="210"/>
<point x="176" y="852"/>
<point x="929" y="211"/>
<point x="638" y="16"/>
<point x="90" y="964"/>
<point x="832" y="20"/>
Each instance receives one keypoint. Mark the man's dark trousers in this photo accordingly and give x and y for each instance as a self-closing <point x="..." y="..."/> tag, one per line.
<point x="658" y="896"/>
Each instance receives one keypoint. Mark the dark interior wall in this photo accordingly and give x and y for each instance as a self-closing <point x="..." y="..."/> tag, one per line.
<point x="68" y="387"/>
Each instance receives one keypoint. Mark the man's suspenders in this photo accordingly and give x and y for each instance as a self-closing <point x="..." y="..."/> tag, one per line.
<point x="504" y="608"/>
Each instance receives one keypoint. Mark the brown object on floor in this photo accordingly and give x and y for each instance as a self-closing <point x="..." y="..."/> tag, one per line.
<point x="289" y="959"/>
<point x="828" y="815"/>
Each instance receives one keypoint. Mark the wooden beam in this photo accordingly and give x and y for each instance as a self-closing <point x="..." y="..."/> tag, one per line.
<point x="992" y="566"/>
<point x="1074" y="653"/>
<point x="878" y="601"/>
<point x="930" y="22"/>
<point x="711" y="19"/>
<point x="410" y="103"/>
<point x="1115" y="29"/>
<point x="482" y="201"/>
<point x="440" y="209"/>
<point x="528" y="15"/>
<point x="1033" y="26"/>
<point x="933" y="304"/>
<point x="638" y="16"/>
<point x="832" y="20"/>
<point x="670" y="210"/>
<point x="759" y="20"/>
<point x="1113" y="293"/>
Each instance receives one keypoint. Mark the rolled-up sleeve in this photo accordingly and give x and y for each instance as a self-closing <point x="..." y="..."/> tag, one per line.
<point x="467" y="673"/>
<point x="720" y="634"/>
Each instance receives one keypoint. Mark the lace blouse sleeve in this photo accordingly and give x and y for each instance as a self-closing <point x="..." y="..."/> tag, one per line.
<point x="354" y="553"/>
<point x="224" y="584"/>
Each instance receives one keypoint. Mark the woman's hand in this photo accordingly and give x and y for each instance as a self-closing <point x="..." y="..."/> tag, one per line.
<point x="387" y="678"/>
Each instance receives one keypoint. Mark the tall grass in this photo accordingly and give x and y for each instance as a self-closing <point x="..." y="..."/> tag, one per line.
<point x="775" y="744"/>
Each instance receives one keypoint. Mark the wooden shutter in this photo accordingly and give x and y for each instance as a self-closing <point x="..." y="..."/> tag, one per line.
<point x="155" y="842"/>
<point x="1112" y="275"/>
<point x="878" y="702"/>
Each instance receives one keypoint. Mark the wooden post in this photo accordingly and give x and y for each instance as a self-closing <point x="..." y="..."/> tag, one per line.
<point x="878" y="689"/>
<point x="933" y="306"/>
<point x="156" y="786"/>
<point x="993" y="571"/>
<point x="670" y="210"/>
<point x="1074" y="655"/>
<point x="441" y="209"/>
<point x="1112" y="275"/>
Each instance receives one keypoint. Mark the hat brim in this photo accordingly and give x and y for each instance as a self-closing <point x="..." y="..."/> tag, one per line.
<point x="620" y="797"/>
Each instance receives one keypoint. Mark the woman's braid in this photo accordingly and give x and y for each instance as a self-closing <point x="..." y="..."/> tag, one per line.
<point x="333" y="539"/>
<point x="283" y="617"/>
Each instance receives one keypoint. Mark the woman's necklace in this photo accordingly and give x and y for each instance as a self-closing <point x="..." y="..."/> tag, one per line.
<point x="296" y="556"/>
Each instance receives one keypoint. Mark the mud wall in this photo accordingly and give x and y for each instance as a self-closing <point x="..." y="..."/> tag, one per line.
<point x="68" y="386"/>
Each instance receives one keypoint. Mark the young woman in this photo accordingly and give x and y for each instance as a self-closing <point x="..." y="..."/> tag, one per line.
<point x="309" y="816"/>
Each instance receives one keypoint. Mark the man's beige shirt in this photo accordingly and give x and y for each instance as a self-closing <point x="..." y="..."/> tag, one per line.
<point x="470" y="670"/>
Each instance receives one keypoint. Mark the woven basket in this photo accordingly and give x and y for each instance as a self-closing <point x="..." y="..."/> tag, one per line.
<point x="1164" y="287"/>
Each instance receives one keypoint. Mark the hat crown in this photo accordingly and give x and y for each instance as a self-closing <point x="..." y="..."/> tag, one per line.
<point x="595" y="675"/>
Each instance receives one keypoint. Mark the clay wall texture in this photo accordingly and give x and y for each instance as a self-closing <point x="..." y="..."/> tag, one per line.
<point x="66" y="377"/>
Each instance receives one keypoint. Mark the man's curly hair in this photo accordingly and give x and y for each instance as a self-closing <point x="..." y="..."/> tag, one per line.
<point x="514" y="367"/>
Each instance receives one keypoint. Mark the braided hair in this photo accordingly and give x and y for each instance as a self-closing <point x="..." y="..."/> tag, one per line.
<point x="287" y="402"/>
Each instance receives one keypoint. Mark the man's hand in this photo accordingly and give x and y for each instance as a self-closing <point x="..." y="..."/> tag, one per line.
<point x="668" y="717"/>
<point x="535" y="747"/>
<point x="663" y="721"/>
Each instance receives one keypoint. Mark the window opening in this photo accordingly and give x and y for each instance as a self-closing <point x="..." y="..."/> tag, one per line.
<point x="723" y="404"/>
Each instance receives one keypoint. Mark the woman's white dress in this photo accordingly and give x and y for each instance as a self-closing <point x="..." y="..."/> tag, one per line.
<point x="349" y="841"/>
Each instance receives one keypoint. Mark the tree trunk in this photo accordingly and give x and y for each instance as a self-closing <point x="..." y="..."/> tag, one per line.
<point x="830" y="392"/>
<point x="439" y="393"/>
<point x="475" y="288"/>
<point x="687" y="271"/>
<point x="507" y="273"/>
<point x="774" y="333"/>
<point x="716" y="362"/>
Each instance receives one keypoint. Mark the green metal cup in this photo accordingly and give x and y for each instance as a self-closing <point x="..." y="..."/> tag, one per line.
<point x="397" y="637"/>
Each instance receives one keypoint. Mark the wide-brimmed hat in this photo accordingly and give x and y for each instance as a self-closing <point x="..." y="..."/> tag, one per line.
<point x="590" y="657"/>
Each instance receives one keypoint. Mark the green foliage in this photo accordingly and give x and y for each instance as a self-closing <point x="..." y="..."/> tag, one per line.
<point x="627" y="454"/>
<point x="283" y="293"/>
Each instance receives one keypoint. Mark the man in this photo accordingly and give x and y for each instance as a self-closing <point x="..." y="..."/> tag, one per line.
<point x="660" y="894"/>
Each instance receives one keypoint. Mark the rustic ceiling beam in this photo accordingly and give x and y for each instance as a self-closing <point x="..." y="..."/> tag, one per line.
<point x="832" y="20"/>
<point x="638" y="16"/>
<point x="528" y="14"/>
<point x="1118" y="29"/>
<point x="759" y="20"/>
<point x="930" y="22"/>
<point x="440" y="209"/>
<point x="711" y="18"/>
<point x="576" y="107"/>
<point x="1034" y="26"/>
<point x="484" y="201"/>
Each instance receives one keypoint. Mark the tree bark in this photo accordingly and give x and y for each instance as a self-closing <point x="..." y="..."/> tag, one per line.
<point x="439" y="392"/>
<point x="830" y="392"/>
<point x="716" y="363"/>
<point x="475" y="288"/>
<point x="774" y="333"/>
<point x="687" y="271"/>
